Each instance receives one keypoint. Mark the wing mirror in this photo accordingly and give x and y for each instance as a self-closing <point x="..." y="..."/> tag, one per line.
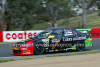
<point x="51" y="36"/>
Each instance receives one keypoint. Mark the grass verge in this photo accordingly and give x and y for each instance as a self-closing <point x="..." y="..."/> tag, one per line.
<point x="1" y="61"/>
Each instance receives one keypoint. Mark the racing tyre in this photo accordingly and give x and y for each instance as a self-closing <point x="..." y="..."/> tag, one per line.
<point x="77" y="48"/>
<point x="38" y="49"/>
<point x="80" y="46"/>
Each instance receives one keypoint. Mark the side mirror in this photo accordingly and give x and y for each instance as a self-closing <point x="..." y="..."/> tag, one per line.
<point x="51" y="36"/>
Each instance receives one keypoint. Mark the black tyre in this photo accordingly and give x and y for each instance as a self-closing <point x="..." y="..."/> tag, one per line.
<point x="77" y="48"/>
<point x="38" y="49"/>
<point x="80" y="46"/>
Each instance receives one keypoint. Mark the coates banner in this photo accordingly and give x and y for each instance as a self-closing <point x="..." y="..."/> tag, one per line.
<point x="95" y="33"/>
<point x="14" y="36"/>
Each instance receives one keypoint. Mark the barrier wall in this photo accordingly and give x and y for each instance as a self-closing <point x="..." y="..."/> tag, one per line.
<point x="1" y="36"/>
<point x="95" y="33"/>
<point x="15" y="36"/>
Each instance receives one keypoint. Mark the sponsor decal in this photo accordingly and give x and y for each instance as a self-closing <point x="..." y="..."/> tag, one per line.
<point x="24" y="49"/>
<point x="67" y="39"/>
<point x="83" y="31"/>
<point x="51" y="50"/>
<point x="55" y="40"/>
<point x="72" y="39"/>
<point x="80" y="38"/>
<point x="56" y="44"/>
<point x="45" y="42"/>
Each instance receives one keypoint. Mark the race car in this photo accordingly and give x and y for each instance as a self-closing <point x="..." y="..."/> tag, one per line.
<point x="58" y="39"/>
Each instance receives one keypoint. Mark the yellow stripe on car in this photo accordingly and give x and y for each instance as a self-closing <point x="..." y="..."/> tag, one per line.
<point x="56" y="50"/>
<point x="15" y="49"/>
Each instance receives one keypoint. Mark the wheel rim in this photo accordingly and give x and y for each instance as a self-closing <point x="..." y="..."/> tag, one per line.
<point x="39" y="49"/>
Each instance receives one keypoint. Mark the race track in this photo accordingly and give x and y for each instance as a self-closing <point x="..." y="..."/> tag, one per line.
<point x="6" y="50"/>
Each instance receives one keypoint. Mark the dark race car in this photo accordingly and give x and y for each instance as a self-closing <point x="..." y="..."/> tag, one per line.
<point x="59" y="39"/>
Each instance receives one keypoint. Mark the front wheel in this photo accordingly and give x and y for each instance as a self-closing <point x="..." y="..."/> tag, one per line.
<point x="38" y="49"/>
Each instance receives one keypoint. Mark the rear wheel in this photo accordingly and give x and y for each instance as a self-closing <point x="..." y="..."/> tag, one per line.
<point x="38" y="49"/>
<point x="80" y="46"/>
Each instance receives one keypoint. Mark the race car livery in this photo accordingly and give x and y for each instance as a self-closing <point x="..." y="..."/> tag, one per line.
<point x="58" y="39"/>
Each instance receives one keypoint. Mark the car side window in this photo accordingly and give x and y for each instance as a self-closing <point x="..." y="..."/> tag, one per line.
<point x="57" y="33"/>
<point x="74" y="32"/>
<point x="68" y="32"/>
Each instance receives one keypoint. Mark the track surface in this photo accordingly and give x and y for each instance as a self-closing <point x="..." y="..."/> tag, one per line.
<point x="89" y="60"/>
<point x="6" y="49"/>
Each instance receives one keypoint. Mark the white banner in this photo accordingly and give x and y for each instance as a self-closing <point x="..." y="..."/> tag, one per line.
<point x="15" y="36"/>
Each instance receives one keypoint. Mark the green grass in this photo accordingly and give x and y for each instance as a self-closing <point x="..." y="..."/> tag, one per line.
<point x="1" y="61"/>
<point x="93" y="21"/>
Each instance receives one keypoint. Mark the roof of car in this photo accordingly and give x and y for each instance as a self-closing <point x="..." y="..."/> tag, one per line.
<point x="60" y="28"/>
<point x="65" y="28"/>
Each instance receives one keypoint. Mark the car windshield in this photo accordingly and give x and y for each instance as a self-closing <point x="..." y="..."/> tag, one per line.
<point x="43" y="34"/>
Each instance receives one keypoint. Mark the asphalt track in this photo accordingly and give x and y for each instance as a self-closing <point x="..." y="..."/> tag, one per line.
<point x="6" y="50"/>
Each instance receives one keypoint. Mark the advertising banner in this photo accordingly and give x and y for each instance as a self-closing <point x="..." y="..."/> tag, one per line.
<point x="14" y="36"/>
<point x="1" y="36"/>
<point x="95" y="33"/>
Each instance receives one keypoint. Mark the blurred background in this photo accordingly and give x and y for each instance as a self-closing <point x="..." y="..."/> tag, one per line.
<point x="39" y="14"/>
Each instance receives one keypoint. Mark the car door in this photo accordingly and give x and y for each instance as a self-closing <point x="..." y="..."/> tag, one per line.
<point x="68" y="37"/>
<point x="58" y="34"/>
